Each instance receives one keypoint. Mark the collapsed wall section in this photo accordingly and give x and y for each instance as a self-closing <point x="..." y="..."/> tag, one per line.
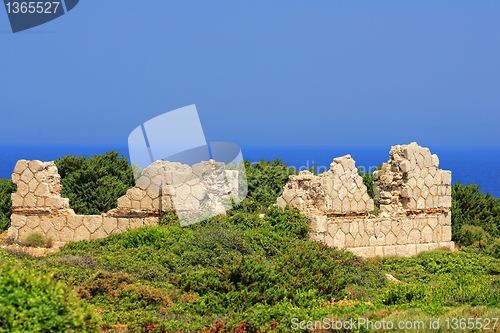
<point x="414" y="196"/>
<point x="38" y="206"/>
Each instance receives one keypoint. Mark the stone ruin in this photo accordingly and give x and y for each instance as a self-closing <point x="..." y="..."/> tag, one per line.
<point x="414" y="197"/>
<point x="205" y="189"/>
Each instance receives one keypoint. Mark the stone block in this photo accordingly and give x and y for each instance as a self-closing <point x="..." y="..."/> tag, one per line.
<point x="379" y="251"/>
<point x="33" y="221"/>
<point x="414" y="236"/>
<point x="21" y="165"/>
<point x="389" y="250"/>
<point x="99" y="233"/>
<point x="424" y="172"/>
<point x="280" y="202"/>
<point x="339" y="239"/>
<point x="446" y="233"/>
<point x="446" y="177"/>
<point x="109" y="224"/>
<point x="426" y="235"/>
<point x="123" y="224"/>
<point x="135" y="194"/>
<point x="124" y="202"/>
<point x="317" y="236"/>
<point x="402" y="237"/>
<point x="26" y="175"/>
<point x="318" y="223"/>
<point x="136" y="223"/>
<point x="92" y="222"/>
<point x="429" y="202"/>
<point x="18" y="221"/>
<point x="17" y="200"/>
<point x="143" y="182"/>
<point x="74" y="221"/>
<point x="349" y="240"/>
<point x="81" y="233"/>
<point x="421" y="203"/>
<point x="54" y="234"/>
<point x="42" y="190"/>
<point x="22" y="188"/>
<point x="151" y="221"/>
<point x="66" y="235"/>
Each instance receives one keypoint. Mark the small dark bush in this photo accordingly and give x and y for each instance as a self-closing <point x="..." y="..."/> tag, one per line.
<point x="37" y="240"/>
<point x="7" y="187"/>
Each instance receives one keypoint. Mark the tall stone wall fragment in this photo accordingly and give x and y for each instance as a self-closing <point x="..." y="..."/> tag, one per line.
<point x="414" y="197"/>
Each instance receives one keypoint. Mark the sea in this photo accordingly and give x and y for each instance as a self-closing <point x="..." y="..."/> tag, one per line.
<point x="475" y="165"/>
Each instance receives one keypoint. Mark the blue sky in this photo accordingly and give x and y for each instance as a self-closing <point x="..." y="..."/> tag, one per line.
<point x="259" y="72"/>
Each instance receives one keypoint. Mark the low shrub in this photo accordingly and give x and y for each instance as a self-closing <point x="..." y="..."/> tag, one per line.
<point x="37" y="240"/>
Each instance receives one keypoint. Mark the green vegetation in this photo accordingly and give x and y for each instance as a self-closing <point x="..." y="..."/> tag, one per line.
<point x="93" y="185"/>
<point x="474" y="216"/>
<point x="31" y="302"/>
<point x="250" y="270"/>
<point x="6" y="188"/>
<point x="37" y="240"/>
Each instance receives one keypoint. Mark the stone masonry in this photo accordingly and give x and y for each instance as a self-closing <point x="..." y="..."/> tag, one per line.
<point x="38" y="206"/>
<point x="414" y="197"/>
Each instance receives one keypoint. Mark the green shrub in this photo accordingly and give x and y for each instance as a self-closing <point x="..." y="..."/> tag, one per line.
<point x="37" y="240"/>
<point x="470" y="234"/>
<point x="471" y="207"/>
<point x="265" y="181"/>
<point x="7" y="187"/>
<point x="31" y="302"/>
<point x="93" y="185"/>
<point x="368" y="179"/>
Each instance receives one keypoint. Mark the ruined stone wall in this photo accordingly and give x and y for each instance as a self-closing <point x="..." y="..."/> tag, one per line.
<point x="38" y="206"/>
<point x="415" y="201"/>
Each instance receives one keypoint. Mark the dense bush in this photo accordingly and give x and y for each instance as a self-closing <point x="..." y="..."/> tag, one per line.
<point x="93" y="185"/>
<point x="30" y="302"/>
<point x="6" y="188"/>
<point x="265" y="181"/>
<point x="38" y="240"/>
<point x="471" y="207"/>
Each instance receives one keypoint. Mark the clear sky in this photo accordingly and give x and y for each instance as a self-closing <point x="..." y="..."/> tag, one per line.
<point x="259" y="72"/>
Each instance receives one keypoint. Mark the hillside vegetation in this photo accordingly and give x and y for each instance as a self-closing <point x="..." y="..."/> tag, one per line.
<point x="251" y="270"/>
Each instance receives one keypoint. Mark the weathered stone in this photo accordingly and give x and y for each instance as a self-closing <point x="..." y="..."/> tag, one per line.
<point x="99" y="233"/>
<point x="124" y="202"/>
<point x="339" y="239"/>
<point x="446" y="177"/>
<point x="109" y="224"/>
<point x="318" y="223"/>
<point x="74" y="221"/>
<point x="143" y="182"/>
<point x="136" y="223"/>
<point x="92" y="222"/>
<point x="81" y="233"/>
<point x="21" y="165"/>
<point x="135" y="194"/>
<point x="66" y="235"/>
<point x="426" y="235"/>
<point x="17" y="200"/>
<point x="123" y="224"/>
<point x="26" y="176"/>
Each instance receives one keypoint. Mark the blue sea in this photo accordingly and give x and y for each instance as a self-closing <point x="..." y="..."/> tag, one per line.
<point x="476" y="165"/>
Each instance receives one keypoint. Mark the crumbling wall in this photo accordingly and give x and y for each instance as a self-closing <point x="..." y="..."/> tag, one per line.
<point x="414" y="196"/>
<point x="38" y="206"/>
